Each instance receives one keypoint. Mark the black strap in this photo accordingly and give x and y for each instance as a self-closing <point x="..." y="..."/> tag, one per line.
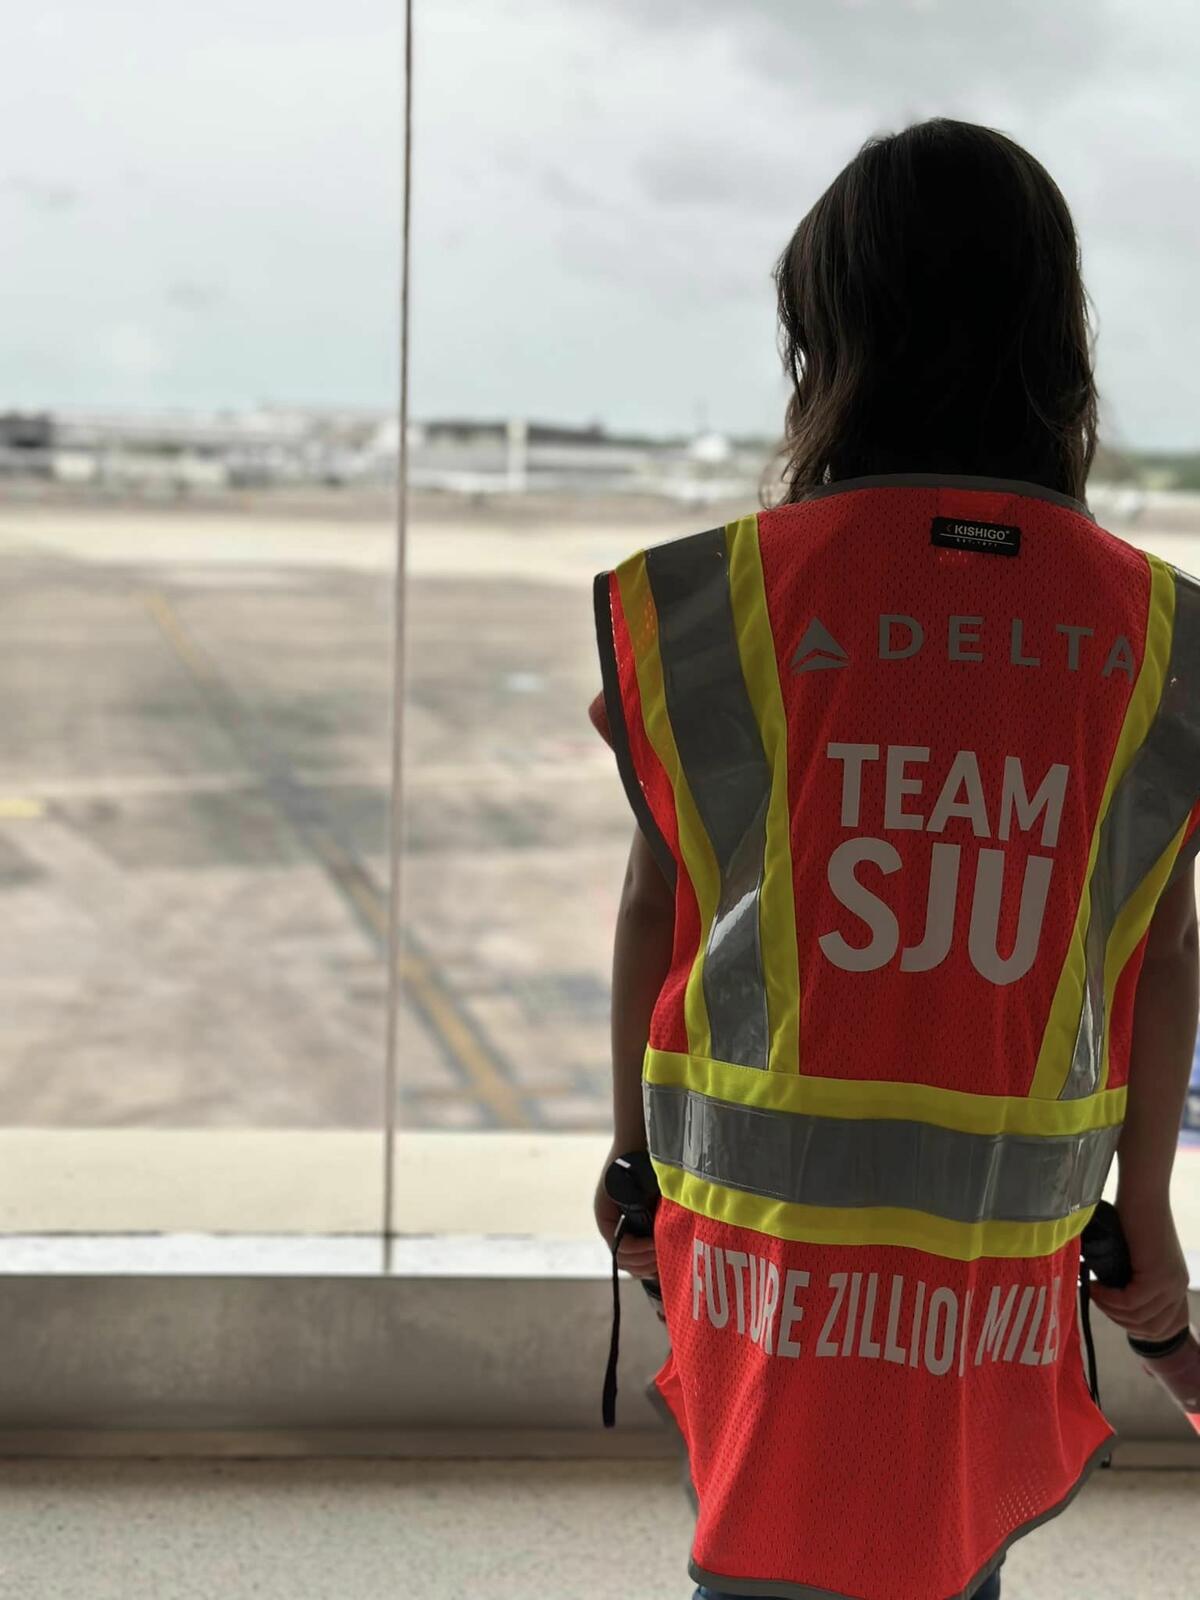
<point x="1085" y="1304"/>
<point x="608" y="1405"/>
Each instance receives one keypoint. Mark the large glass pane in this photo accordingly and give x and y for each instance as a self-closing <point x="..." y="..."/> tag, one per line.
<point x="570" y="375"/>
<point x="601" y="194"/>
<point x="197" y="559"/>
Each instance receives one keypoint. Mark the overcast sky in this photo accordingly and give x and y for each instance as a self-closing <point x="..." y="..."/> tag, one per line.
<point x="199" y="204"/>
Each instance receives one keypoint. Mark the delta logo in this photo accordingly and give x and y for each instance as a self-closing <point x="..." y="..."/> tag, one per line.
<point x="1067" y="646"/>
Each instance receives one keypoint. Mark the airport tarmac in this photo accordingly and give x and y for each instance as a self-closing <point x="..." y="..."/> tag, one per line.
<point x="194" y="799"/>
<point x="194" y="811"/>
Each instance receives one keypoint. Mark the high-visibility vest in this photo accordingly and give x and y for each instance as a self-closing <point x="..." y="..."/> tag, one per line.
<point x="919" y="755"/>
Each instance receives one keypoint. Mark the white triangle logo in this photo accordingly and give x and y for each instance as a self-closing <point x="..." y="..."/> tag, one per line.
<point x="818" y="649"/>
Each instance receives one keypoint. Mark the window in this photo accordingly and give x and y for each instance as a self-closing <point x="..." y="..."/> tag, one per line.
<point x="198" y="538"/>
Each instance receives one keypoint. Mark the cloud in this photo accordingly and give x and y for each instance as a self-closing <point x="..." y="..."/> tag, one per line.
<point x="42" y="194"/>
<point x="563" y="190"/>
<point x="601" y="188"/>
<point x="660" y="262"/>
<point x="858" y="52"/>
<point x="134" y="351"/>
<point x="710" y="172"/>
<point x="190" y="295"/>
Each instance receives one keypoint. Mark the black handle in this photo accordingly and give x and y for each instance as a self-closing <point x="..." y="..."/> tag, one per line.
<point x="1106" y="1251"/>
<point x="631" y="1181"/>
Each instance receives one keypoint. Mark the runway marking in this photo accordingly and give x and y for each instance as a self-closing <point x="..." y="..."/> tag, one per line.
<point x="466" y="1047"/>
<point x="20" y="808"/>
<point x="457" y="1093"/>
<point x="196" y="660"/>
<point x="137" y="785"/>
<point x="428" y="992"/>
<point x="485" y="776"/>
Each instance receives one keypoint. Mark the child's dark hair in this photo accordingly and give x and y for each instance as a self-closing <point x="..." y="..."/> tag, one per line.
<point x="933" y="318"/>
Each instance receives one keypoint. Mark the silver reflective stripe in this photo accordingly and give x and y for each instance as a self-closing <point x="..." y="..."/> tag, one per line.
<point x="958" y="480"/>
<point x="877" y="1161"/>
<point x="1147" y="809"/>
<point x="721" y="751"/>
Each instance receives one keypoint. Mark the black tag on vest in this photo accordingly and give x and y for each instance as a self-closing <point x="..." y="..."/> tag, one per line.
<point x="957" y="533"/>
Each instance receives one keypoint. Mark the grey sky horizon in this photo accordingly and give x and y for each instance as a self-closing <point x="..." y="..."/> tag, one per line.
<point x="200" y="206"/>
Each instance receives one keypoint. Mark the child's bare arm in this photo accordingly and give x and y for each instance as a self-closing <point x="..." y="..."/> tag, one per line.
<point x="1154" y="1305"/>
<point x="641" y="959"/>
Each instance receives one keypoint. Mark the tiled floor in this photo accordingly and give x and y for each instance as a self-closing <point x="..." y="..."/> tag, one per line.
<point x="480" y="1530"/>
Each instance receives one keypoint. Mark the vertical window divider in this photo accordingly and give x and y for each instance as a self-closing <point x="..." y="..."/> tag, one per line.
<point x="395" y="814"/>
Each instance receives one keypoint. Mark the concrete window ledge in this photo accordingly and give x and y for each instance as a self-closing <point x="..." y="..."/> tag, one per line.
<point x="330" y="1182"/>
<point x="471" y="1346"/>
<point x="229" y="1293"/>
<point x="295" y="1340"/>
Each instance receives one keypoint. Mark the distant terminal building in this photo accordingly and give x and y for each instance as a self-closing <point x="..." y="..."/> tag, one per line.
<point x="473" y="456"/>
<point x="182" y="452"/>
<point x="176" y="451"/>
<point x="26" y="442"/>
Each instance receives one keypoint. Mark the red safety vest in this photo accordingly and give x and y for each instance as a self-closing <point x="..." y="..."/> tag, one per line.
<point x="919" y="755"/>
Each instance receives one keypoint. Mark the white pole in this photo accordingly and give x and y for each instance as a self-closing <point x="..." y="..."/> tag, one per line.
<point x="518" y="455"/>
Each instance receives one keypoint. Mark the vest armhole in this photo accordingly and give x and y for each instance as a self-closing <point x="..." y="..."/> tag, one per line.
<point x="614" y="708"/>
<point x="1190" y="847"/>
<point x="1188" y="850"/>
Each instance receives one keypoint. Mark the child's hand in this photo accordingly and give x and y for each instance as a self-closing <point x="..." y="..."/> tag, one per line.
<point x="635" y="1256"/>
<point x="1154" y="1303"/>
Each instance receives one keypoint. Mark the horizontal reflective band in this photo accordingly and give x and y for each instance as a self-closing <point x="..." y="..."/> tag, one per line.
<point x="1148" y="808"/>
<point x="837" y="1162"/>
<point x="855" y="1098"/>
<point x="867" y="1225"/>
<point x="721" y="752"/>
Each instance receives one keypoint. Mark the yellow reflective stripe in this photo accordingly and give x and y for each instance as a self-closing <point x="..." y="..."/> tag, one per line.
<point x="963" y="1241"/>
<point x="642" y="622"/>
<point x="865" y="1097"/>
<point x="1058" y="1041"/>
<point x="1131" y="925"/>
<point x="777" y="915"/>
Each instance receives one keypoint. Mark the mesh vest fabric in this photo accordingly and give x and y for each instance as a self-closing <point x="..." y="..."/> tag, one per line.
<point x="918" y="803"/>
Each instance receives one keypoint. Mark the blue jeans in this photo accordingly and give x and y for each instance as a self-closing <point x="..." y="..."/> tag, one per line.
<point x="989" y="1591"/>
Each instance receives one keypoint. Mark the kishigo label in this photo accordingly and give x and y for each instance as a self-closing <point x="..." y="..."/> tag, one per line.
<point x="960" y="533"/>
